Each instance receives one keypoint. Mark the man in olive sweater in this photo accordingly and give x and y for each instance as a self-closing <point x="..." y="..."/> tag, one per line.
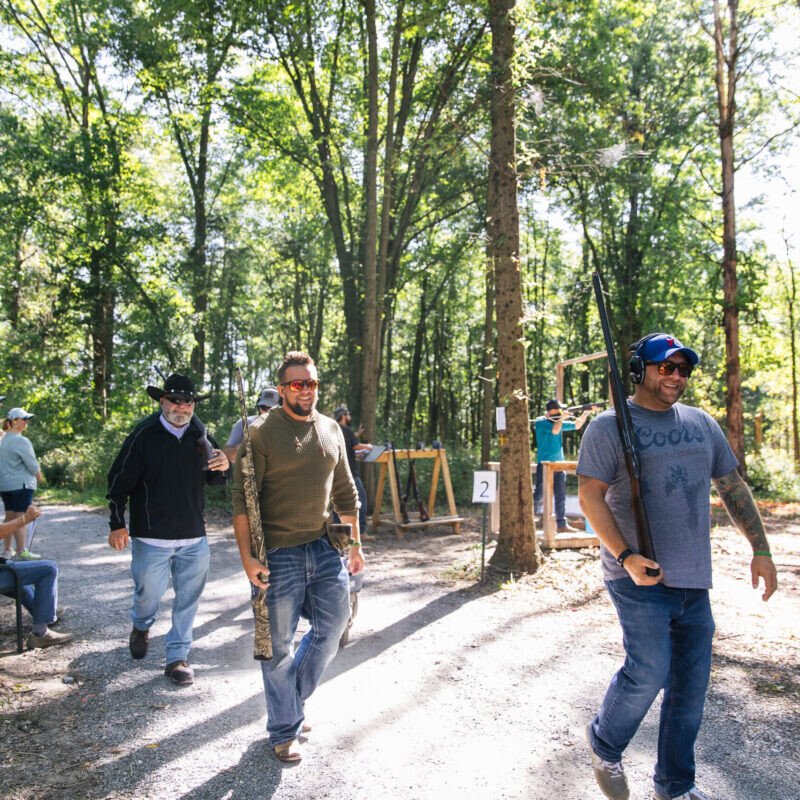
<point x="300" y="464"/>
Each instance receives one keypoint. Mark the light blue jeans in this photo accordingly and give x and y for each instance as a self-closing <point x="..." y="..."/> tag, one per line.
<point x="667" y="637"/>
<point x="151" y="568"/>
<point x="39" y="585"/>
<point x="309" y="579"/>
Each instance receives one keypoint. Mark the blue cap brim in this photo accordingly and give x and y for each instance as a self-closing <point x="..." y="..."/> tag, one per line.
<point x="687" y="351"/>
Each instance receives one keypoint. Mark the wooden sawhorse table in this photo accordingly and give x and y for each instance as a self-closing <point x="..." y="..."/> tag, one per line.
<point x="396" y="518"/>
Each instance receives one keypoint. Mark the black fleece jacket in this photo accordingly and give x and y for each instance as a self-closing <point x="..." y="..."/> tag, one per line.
<point x="163" y="477"/>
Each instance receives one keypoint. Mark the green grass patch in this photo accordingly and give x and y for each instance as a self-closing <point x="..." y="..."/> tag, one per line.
<point x="70" y="496"/>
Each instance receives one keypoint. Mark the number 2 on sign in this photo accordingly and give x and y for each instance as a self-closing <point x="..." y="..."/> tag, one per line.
<point x="484" y="488"/>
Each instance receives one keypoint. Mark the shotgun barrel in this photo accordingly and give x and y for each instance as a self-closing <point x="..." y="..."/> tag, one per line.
<point x="633" y="461"/>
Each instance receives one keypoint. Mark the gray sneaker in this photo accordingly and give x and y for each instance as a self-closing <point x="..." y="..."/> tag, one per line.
<point x="609" y="774"/>
<point x="48" y="639"/>
<point x="693" y="794"/>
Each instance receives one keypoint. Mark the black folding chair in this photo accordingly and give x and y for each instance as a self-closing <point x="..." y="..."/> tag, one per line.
<point x="17" y="595"/>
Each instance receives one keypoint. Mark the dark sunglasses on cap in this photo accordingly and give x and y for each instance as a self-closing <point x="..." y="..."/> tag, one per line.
<point x="298" y="386"/>
<point x="176" y="401"/>
<point x="668" y="367"/>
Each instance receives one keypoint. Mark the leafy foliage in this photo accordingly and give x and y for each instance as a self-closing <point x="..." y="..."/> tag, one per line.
<point x="186" y="185"/>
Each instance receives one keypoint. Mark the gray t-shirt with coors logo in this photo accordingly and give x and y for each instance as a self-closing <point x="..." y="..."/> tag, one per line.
<point x="681" y="451"/>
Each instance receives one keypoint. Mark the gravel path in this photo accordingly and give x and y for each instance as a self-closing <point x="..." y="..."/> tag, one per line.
<point x="446" y="690"/>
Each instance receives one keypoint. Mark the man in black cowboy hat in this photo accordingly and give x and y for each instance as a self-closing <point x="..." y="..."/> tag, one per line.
<point x="162" y="468"/>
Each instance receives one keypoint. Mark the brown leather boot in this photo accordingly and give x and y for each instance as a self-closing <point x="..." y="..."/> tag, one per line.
<point x="139" y="642"/>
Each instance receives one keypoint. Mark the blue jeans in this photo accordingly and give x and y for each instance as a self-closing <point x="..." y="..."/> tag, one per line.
<point x="667" y="638"/>
<point x="309" y="579"/>
<point x="362" y="512"/>
<point x="559" y="494"/>
<point x="151" y="568"/>
<point x="39" y="581"/>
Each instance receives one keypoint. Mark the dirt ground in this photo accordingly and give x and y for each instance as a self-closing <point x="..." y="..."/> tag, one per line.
<point x="448" y="688"/>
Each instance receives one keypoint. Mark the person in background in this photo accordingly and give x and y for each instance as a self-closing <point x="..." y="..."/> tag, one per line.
<point x="355" y="450"/>
<point x="162" y="468"/>
<point x="39" y="582"/>
<point x="550" y="447"/>
<point x="269" y="398"/>
<point x="20" y="476"/>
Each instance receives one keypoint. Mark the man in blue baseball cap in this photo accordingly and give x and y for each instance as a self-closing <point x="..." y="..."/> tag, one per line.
<point x="666" y="617"/>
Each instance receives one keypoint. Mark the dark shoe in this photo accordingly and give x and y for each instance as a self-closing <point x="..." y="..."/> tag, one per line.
<point x="566" y="529"/>
<point x="180" y="673"/>
<point x="139" y="642"/>
<point x="48" y="639"/>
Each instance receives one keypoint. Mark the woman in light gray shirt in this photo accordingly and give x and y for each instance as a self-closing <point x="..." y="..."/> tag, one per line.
<point x="20" y="474"/>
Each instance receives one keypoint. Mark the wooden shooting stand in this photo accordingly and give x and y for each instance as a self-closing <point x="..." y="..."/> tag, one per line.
<point x="552" y="539"/>
<point x="549" y="538"/>
<point x="396" y="519"/>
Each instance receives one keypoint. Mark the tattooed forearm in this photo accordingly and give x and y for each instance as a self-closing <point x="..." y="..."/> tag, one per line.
<point x="742" y="509"/>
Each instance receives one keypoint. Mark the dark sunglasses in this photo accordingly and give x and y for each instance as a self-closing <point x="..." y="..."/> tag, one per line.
<point x="177" y="401"/>
<point x="298" y="386"/>
<point x="668" y="367"/>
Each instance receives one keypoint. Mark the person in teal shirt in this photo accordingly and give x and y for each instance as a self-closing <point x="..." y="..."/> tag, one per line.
<point x="550" y="447"/>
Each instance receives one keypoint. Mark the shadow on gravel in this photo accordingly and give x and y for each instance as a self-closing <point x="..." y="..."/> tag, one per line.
<point x="765" y="677"/>
<point x="737" y="761"/>
<point x="368" y="647"/>
<point x="103" y="723"/>
<point x="257" y="775"/>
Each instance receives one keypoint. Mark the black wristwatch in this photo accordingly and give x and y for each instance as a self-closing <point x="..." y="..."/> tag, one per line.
<point x="623" y="555"/>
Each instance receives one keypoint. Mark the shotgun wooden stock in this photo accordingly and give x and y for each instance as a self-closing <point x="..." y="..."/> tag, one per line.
<point x="262" y="644"/>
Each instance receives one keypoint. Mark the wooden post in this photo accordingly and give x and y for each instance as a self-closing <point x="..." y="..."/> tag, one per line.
<point x="560" y="367"/>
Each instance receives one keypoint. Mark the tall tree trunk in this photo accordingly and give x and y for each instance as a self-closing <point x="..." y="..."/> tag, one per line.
<point x="199" y="255"/>
<point x="416" y="360"/>
<point x="388" y="375"/>
<point x="101" y="327"/>
<point x="516" y="545"/>
<point x="387" y="199"/>
<point x="372" y="303"/>
<point x="489" y="371"/>
<point x="725" y="80"/>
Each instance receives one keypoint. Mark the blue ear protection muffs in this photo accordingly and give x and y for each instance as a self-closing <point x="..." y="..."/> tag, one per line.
<point x="637" y="365"/>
